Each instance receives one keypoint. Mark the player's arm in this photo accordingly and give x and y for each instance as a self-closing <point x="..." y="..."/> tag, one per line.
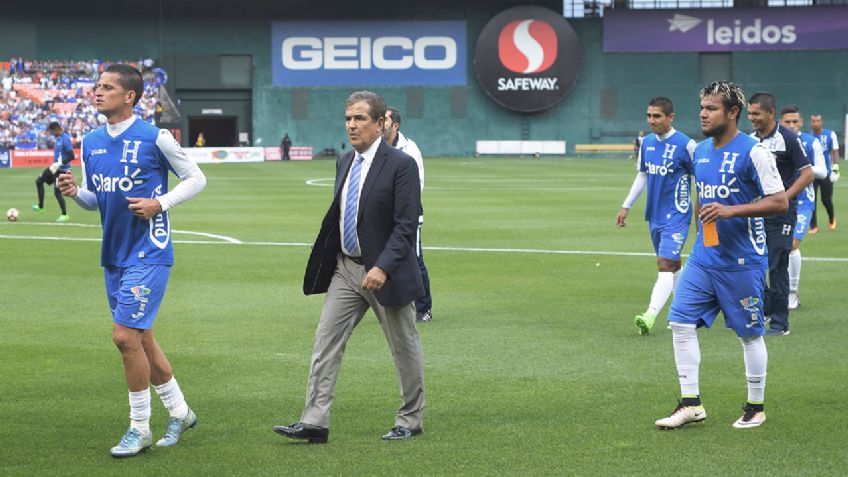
<point x="819" y="165"/>
<point x="636" y="189"/>
<point x="192" y="180"/>
<point x="419" y="160"/>
<point x="773" y="202"/>
<point x="834" y="157"/>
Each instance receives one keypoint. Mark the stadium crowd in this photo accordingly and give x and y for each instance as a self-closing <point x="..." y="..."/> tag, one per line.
<point x="35" y="93"/>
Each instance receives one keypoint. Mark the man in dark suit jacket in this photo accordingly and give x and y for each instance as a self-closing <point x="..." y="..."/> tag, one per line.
<point x="364" y="257"/>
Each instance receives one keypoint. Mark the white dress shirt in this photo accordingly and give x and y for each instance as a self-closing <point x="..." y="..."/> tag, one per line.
<point x="368" y="159"/>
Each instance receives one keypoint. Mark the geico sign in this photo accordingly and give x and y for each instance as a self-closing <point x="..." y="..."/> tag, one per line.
<point x="365" y="53"/>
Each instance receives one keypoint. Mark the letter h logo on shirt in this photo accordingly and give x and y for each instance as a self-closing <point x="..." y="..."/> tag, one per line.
<point x="133" y="151"/>
<point x="728" y="160"/>
<point x="668" y="153"/>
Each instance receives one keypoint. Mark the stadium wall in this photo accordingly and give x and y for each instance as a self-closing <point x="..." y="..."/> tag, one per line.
<point x="607" y="104"/>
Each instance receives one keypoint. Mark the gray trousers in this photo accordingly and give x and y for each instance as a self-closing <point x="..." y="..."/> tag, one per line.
<point x="344" y="306"/>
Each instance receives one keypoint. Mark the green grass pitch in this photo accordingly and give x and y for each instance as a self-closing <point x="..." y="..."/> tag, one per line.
<point x="533" y="365"/>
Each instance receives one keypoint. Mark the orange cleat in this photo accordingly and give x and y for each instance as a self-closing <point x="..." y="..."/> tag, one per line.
<point x="832" y="225"/>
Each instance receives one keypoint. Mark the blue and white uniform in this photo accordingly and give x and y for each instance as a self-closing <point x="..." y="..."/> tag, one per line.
<point x="829" y="142"/>
<point x="132" y="159"/>
<point x="664" y="167"/>
<point x="63" y="152"/>
<point x="807" y="197"/>
<point x="729" y="277"/>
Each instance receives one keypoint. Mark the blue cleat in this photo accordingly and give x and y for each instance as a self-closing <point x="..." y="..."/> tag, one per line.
<point x="133" y="443"/>
<point x="176" y="427"/>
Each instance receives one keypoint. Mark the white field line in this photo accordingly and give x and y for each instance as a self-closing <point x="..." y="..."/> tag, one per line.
<point x="443" y="249"/>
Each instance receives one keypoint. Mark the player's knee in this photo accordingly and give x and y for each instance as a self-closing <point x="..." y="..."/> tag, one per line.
<point x="124" y="341"/>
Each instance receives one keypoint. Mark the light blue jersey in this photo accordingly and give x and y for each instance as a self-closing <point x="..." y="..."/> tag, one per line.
<point x="63" y="152"/>
<point x="668" y="165"/>
<point x="129" y="165"/>
<point x="738" y="173"/>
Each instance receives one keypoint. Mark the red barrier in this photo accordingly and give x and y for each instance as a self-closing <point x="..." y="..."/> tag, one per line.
<point x="38" y="158"/>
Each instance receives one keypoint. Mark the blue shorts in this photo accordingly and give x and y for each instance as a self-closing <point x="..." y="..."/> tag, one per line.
<point x="702" y="292"/>
<point x="135" y="293"/>
<point x="802" y="221"/>
<point x="669" y="240"/>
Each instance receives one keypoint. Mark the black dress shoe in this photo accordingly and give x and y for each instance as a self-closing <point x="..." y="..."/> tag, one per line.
<point x="299" y="430"/>
<point x="399" y="432"/>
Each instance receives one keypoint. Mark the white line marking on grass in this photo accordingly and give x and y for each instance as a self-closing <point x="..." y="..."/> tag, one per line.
<point x="322" y="182"/>
<point x="443" y="249"/>
<point x="223" y="238"/>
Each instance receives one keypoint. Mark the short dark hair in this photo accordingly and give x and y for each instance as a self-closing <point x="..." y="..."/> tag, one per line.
<point x="376" y="105"/>
<point x="790" y="108"/>
<point x="766" y="100"/>
<point x="731" y="95"/>
<point x="129" y="78"/>
<point x="663" y="103"/>
<point x="53" y="126"/>
<point x="394" y="114"/>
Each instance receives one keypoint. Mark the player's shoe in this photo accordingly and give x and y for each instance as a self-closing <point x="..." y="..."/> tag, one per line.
<point x="133" y="443"/>
<point x="813" y="230"/>
<point x="681" y="416"/>
<point x="645" y="322"/>
<point x="176" y="427"/>
<point x="753" y="416"/>
<point x="63" y="218"/>
<point x="832" y="225"/>
<point x="424" y="316"/>
<point x="36" y="208"/>
<point x="794" y="300"/>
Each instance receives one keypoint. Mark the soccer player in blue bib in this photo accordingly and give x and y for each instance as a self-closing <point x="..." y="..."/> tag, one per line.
<point x="796" y="173"/>
<point x="790" y="117"/>
<point x="664" y="167"/>
<point x="125" y="176"/>
<point x="63" y="154"/>
<point x="830" y="145"/>
<point x="737" y="184"/>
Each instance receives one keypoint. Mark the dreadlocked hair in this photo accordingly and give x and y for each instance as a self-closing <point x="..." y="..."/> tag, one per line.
<point x="731" y="95"/>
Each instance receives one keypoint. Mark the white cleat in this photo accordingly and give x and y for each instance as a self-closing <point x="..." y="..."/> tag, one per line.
<point x="794" y="300"/>
<point x="681" y="416"/>
<point x="753" y="417"/>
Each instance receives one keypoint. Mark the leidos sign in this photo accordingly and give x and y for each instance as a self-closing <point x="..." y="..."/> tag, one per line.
<point x="726" y="29"/>
<point x="368" y="53"/>
<point x="527" y="58"/>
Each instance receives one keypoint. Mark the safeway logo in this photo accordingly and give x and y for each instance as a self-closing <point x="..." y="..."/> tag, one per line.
<point x="527" y="46"/>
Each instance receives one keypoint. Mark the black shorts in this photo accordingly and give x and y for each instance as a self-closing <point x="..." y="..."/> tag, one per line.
<point x="48" y="177"/>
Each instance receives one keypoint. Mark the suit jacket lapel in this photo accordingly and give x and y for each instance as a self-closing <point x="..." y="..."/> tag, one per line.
<point x="373" y="172"/>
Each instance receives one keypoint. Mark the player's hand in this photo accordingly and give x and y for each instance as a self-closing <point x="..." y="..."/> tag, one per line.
<point x="67" y="184"/>
<point x="144" y="208"/>
<point x="714" y="211"/>
<point x="619" y="218"/>
<point x="54" y="167"/>
<point x="834" y="174"/>
<point x="374" y="279"/>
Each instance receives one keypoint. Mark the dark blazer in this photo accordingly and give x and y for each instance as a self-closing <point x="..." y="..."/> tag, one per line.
<point x="387" y="222"/>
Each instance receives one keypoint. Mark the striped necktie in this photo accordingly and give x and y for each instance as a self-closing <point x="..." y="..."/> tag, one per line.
<point x="352" y="205"/>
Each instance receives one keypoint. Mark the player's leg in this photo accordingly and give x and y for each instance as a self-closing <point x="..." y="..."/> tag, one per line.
<point x="694" y="304"/>
<point x="423" y="305"/>
<point x="779" y="244"/>
<point x="802" y="222"/>
<point x="740" y="297"/>
<point x="814" y="229"/>
<point x="669" y="243"/>
<point x="827" y="201"/>
<point x="166" y="386"/>
<point x="61" y="200"/>
<point x="42" y="179"/>
<point x="137" y="373"/>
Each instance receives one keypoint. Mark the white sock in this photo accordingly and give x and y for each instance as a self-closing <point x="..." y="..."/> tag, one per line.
<point x="676" y="278"/>
<point x="172" y="398"/>
<point x="662" y="290"/>
<point x="687" y="356"/>
<point x="794" y="269"/>
<point x="140" y="410"/>
<point x="756" y="360"/>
